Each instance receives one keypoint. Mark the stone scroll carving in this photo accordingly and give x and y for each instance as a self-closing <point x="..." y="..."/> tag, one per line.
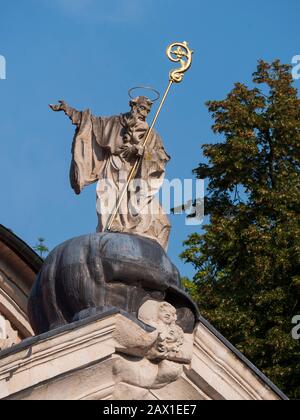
<point x="150" y="360"/>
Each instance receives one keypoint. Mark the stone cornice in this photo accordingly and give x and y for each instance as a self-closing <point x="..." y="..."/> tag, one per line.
<point x="18" y="246"/>
<point x="44" y="367"/>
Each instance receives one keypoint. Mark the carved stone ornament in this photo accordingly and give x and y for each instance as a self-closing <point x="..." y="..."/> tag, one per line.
<point x="150" y="360"/>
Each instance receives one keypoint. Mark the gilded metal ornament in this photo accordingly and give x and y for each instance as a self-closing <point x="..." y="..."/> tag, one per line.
<point x="180" y="53"/>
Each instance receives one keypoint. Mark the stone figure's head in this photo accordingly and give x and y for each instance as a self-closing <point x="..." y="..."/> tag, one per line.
<point x="169" y="342"/>
<point x="140" y="107"/>
<point x="167" y="313"/>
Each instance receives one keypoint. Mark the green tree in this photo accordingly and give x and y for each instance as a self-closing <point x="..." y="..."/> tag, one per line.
<point x="41" y="248"/>
<point x="248" y="256"/>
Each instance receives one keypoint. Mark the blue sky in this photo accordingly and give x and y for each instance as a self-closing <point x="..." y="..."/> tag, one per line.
<point x="90" y="52"/>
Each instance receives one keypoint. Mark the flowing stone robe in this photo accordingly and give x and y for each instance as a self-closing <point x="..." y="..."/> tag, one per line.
<point x="96" y="156"/>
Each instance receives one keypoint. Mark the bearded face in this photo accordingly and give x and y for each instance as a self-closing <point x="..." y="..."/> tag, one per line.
<point x="140" y="111"/>
<point x="135" y="122"/>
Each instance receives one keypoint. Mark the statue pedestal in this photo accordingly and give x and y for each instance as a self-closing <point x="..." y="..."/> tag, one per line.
<point x="92" y="273"/>
<point x="86" y="361"/>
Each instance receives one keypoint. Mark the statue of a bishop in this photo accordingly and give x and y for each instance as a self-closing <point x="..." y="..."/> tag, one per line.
<point x="105" y="149"/>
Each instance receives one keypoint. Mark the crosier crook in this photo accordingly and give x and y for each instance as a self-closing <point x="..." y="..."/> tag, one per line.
<point x="178" y="53"/>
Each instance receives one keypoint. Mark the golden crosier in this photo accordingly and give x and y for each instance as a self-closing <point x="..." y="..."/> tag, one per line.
<point x="180" y="53"/>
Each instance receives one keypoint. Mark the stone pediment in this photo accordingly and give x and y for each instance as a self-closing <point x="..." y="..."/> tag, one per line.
<point x="89" y="362"/>
<point x="114" y="355"/>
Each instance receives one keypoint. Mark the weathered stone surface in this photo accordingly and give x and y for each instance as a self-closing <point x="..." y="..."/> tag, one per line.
<point x="146" y="375"/>
<point x="151" y="360"/>
<point x="92" y="273"/>
<point x="172" y="343"/>
<point x="8" y="336"/>
<point x="83" y="358"/>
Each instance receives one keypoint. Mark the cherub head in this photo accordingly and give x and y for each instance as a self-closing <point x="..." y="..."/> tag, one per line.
<point x="167" y="313"/>
<point x="170" y="340"/>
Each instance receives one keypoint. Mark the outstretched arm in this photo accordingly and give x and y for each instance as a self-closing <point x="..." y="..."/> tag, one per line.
<point x="73" y="114"/>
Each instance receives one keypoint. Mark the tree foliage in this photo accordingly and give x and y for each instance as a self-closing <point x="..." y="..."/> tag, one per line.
<point x="41" y="248"/>
<point x="248" y="257"/>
